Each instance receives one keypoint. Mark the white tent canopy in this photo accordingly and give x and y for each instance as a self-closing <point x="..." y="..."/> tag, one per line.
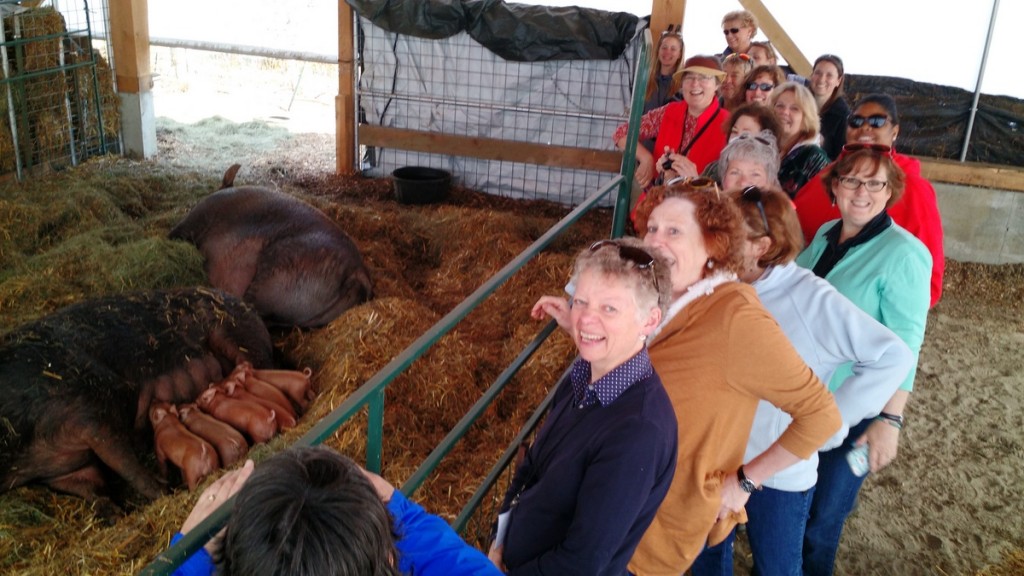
<point x="921" y="40"/>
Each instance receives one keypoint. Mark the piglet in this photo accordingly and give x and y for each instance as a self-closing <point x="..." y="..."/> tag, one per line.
<point x="297" y="385"/>
<point x="190" y="453"/>
<point x="255" y="420"/>
<point x="230" y="444"/>
<point x="284" y="412"/>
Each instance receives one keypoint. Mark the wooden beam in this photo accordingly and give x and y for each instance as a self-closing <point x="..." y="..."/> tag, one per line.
<point x="992" y="176"/>
<point x="490" y="148"/>
<point x="663" y="13"/>
<point x="782" y="42"/>
<point x="344" y="103"/>
<point x="129" y="36"/>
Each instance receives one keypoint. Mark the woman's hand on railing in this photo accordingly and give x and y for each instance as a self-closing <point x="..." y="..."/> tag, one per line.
<point x="553" y="306"/>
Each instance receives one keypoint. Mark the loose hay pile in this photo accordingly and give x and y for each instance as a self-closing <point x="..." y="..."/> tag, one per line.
<point x="101" y="229"/>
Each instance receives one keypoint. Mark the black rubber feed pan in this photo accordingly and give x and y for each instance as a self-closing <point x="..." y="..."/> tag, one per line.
<point x="421" y="185"/>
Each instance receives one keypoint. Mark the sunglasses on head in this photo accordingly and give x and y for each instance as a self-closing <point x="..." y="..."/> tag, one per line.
<point x="763" y="86"/>
<point x="738" y="56"/>
<point x="753" y="194"/>
<point x="754" y="137"/>
<point x="638" y="256"/>
<point x="728" y="31"/>
<point x="875" y="120"/>
<point x="876" y="148"/>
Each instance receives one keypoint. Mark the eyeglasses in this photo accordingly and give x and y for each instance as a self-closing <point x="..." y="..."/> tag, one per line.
<point x="696" y="77"/>
<point x="638" y="256"/>
<point x="851" y="183"/>
<point x="876" y="148"/>
<point x="728" y="31"/>
<point x="875" y="120"/>
<point x="754" y="194"/>
<point x="763" y="87"/>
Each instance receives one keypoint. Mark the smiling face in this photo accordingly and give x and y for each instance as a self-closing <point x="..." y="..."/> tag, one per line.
<point x="858" y="206"/>
<point x="789" y="113"/>
<point x="734" y="73"/>
<point x="673" y="230"/>
<point x="745" y="124"/>
<point x="607" y="325"/>
<point x="758" y="95"/>
<point x="824" y="79"/>
<point x="741" y="173"/>
<point x="740" y="41"/>
<point x="866" y="134"/>
<point x="699" y="90"/>
<point x="670" y="53"/>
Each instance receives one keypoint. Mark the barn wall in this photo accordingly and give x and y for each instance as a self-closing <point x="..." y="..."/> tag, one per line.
<point x="437" y="86"/>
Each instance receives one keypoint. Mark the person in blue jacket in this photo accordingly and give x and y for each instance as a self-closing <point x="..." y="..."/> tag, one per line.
<point x="310" y="510"/>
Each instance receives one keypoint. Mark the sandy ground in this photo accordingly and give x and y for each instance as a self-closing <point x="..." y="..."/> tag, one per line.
<point x="952" y="503"/>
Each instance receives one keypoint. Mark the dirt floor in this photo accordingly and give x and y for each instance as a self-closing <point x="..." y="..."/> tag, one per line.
<point x="952" y="503"/>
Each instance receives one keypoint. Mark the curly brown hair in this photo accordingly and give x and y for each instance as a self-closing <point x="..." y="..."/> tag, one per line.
<point x="719" y="218"/>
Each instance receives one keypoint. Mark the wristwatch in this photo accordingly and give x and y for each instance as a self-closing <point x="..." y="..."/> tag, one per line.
<point x="745" y="484"/>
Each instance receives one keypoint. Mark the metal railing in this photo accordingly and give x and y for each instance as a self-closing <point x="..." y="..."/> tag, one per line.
<point x="371" y="394"/>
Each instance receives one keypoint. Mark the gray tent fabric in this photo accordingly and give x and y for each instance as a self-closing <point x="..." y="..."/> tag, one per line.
<point x="516" y="32"/>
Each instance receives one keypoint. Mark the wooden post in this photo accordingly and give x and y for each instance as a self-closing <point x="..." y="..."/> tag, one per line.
<point x="782" y="42"/>
<point x="344" y="103"/>
<point x="663" y="13"/>
<point x="129" y="36"/>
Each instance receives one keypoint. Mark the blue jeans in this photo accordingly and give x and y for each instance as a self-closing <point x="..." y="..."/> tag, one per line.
<point x="715" y="560"/>
<point x="834" y="498"/>
<point x="775" y="529"/>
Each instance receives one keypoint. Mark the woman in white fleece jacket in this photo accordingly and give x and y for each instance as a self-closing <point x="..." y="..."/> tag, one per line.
<point x="827" y="331"/>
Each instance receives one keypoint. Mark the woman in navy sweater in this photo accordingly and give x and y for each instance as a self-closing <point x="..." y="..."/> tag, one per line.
<point x="603" y="461"/>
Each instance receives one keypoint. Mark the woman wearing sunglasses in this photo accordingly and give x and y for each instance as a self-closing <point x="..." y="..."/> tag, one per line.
<point x="758" y="85"/>
<point x="739" y="28"/>
<point x="801" y="157"/>
<point x="602" y="463"/>
<point x="875" y="122"/>
<point x="719" y="353"/>
<point x="827" y="331"/>
<point x="885" y="271"/>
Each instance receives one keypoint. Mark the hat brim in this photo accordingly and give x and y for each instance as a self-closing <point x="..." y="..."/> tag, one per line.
<point x="702" y="70"/>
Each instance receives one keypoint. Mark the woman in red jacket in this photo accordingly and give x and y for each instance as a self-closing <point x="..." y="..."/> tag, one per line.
<point x="688" y="134"/>
<point x="875" y="122"/>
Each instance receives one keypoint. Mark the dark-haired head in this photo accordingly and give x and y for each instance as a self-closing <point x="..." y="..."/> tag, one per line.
<point x="309" y="511"/>
<point x="883" y="100"/>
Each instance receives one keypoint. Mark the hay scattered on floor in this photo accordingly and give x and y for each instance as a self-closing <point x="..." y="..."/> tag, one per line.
<point x="101" y="228"/>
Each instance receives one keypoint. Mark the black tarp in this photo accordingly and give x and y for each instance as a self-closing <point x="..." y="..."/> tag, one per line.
<point x="516" y="32"/>
<point x="933" y="120"/>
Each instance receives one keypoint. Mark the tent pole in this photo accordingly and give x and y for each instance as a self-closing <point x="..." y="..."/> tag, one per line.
<point x="981" y="76"/>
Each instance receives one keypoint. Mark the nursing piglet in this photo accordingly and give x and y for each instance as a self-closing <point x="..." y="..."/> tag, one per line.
<point x="191" y="454"/>
<point x="258" y="422"/>
<point x="229" y="443"/>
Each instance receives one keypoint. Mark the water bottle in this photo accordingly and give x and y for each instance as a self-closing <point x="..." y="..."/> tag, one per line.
<point x="857" y="458"/>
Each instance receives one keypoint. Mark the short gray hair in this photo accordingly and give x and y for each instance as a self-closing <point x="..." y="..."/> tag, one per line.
<point x="606" y="259"/>
<point x="761" y="148"/>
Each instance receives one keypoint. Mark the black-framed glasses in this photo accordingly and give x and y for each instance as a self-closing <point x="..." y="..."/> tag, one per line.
<point x="851" y="183"/>
<point x="763" y="86"/>
<point x="728" y="31"/>
<point x="875" y="120"/>
<point x="753" y="194"/>
<point x="638" y="256"/>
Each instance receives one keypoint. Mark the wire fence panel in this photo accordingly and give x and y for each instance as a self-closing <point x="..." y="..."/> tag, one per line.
<point x="57" y="100"/>
<point x="455" y="86"/>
